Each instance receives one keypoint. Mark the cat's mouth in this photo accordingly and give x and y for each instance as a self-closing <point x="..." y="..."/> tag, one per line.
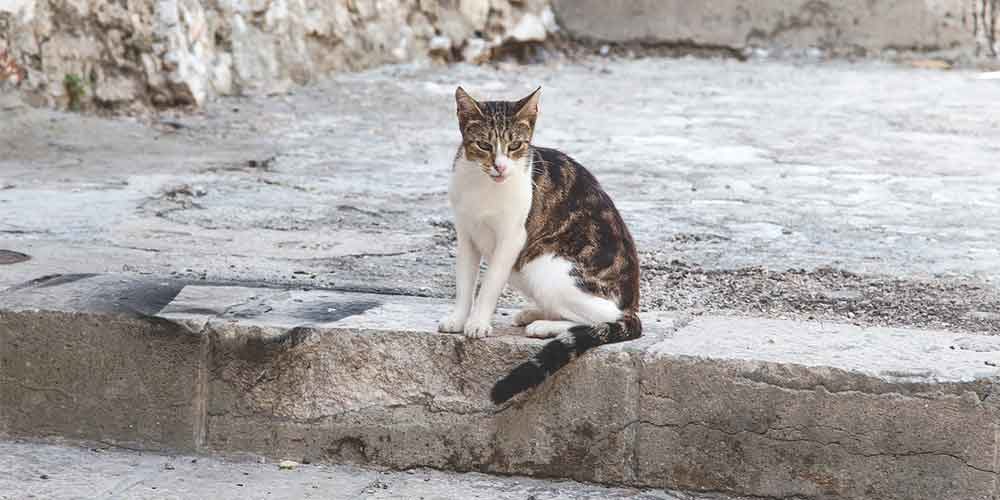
<point x="497" y="177"/>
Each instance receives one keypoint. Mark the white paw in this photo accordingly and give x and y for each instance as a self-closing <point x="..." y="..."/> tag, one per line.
<point x="527" y="316"/>
<point x="547" y="329"/>
<point x="477" y="328"/>
<point x="452" y="323"/>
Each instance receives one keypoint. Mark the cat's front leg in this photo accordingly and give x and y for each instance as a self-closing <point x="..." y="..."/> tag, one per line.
<point x="466" y="271"/>
<point x="500" y="265"/>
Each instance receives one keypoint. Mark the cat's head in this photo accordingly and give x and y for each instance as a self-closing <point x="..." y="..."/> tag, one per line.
<point x="496" y="134"/>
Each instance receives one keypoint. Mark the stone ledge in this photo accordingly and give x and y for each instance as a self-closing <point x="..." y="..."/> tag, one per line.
<point x="847" y="26"/>
<point x="758" y="407"/>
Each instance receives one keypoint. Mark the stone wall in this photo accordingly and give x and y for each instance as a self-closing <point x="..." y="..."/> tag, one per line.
<point x="848" y="26"/>
<point x="133" y="54"/>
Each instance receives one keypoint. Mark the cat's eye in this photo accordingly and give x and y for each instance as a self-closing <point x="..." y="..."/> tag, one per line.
<point x="485" y="146"/>
<point x="514" y="146"/>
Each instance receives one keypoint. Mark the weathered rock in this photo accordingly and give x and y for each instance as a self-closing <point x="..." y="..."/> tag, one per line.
<point x="529" y="29"/>
<point x="182" y="52"/>
<point x="439" y="44"/>
<point x="476" y="50"/>
<point x="475" y="12"/>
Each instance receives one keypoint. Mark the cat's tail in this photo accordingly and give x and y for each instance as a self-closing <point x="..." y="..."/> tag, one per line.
<point x="560" y="351"/>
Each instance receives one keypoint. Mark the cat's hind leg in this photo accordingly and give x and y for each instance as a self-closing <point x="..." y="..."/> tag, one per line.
<point x="531" y="313"/>
<point x="586" y="309"/>
<point x="550" y="281"/>
<point x="528" y="315"/>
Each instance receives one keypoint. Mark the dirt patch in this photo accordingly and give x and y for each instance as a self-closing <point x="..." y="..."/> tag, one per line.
<point x="823" y="294"/>
<point x="818" y="294"/>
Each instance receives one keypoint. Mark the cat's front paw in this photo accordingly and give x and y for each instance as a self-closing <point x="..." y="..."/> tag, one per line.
<point x="477" y="328"/>
<point x="452" y="323"/>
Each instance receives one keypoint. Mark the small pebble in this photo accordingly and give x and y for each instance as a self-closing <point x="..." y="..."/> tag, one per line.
<point x="287" y="465"/>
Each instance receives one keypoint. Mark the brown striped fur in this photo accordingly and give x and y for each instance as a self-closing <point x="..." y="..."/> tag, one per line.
<point x="571" y="216"/>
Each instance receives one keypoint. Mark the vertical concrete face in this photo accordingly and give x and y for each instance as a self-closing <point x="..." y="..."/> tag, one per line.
<point x="845" y="26"/>
<point x="767" y="408"/>
<point x="751" y="427"/>
<point x="100" y="377"/>
<point x="392" y="399"/>
<point x="578" y="425"/>
<point x="405" y="399"/>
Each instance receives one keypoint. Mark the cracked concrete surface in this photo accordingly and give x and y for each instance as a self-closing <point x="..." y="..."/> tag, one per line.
<point x="819" y="270"/>
<point x="859" y="192"/>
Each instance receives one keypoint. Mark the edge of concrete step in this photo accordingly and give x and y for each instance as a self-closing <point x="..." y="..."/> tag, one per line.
<point x="770" y="408"/>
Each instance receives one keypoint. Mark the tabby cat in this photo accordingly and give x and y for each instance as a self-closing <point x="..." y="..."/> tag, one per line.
<point x="542" y="222"/>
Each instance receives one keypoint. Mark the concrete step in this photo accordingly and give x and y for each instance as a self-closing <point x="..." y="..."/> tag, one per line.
<point x="762" y="407"/>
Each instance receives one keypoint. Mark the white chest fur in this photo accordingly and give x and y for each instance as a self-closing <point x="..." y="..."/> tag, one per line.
<point x="486" y="211"/>
<point x="490" y="220"/>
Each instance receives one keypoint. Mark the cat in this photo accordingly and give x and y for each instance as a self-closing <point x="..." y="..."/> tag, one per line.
<point x="541" y="221"/>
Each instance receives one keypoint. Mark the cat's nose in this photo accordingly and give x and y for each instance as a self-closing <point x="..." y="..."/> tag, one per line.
<point x="501" y="168"/>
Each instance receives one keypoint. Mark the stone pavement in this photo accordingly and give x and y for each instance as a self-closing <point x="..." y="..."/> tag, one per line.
<point x="97" y="471"/>
<point x="861" y="192"/>
<point x="818" y="242"/>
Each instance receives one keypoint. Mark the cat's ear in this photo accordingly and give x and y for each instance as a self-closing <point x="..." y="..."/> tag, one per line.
<point x="527" y="108"/>
<point x="468" y="108"/>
